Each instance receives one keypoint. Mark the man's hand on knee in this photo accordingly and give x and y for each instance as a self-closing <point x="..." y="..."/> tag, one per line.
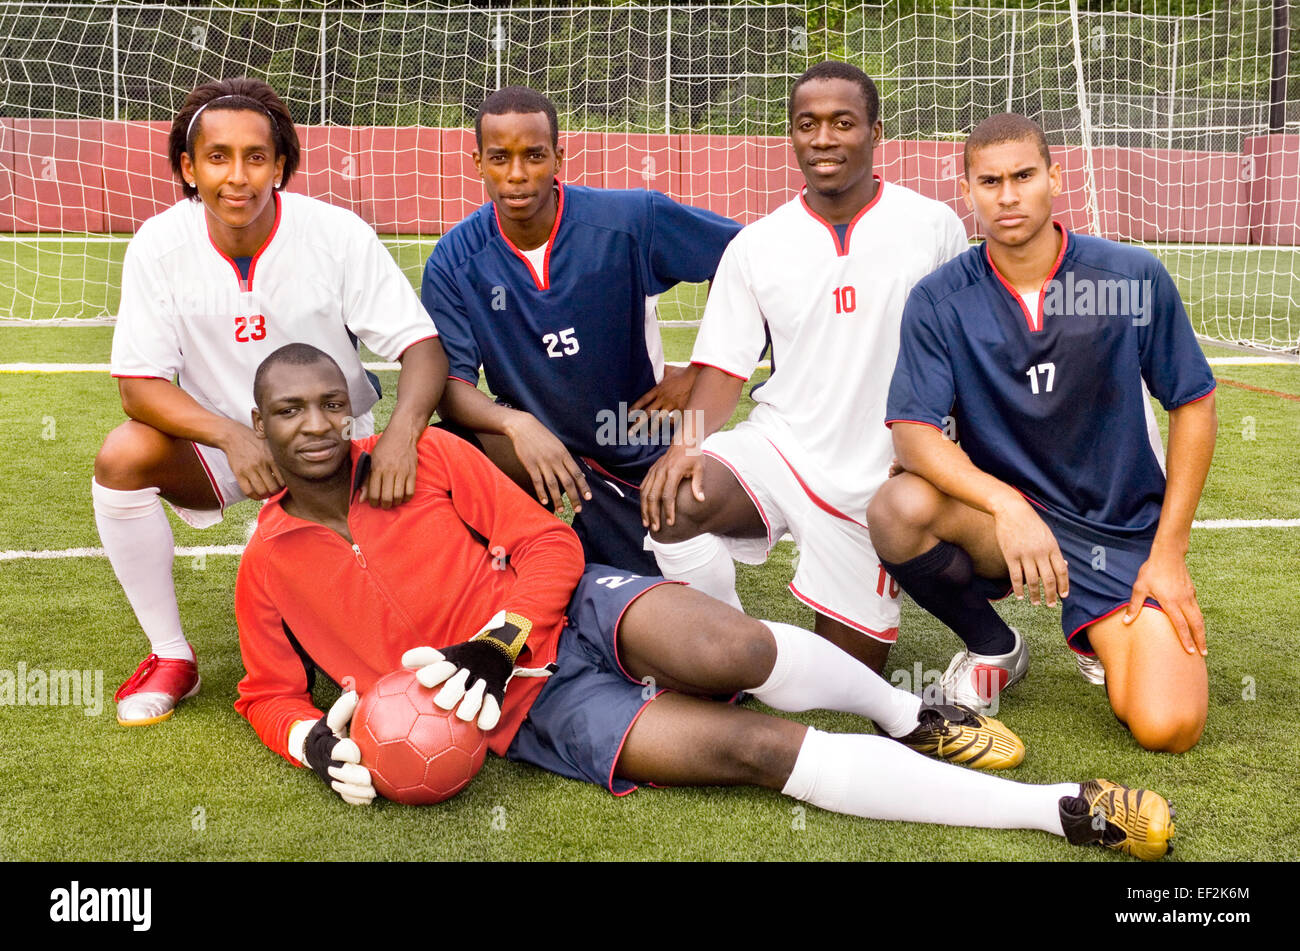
<point x="659" y="487"/>
<point x="1165" y="578"/>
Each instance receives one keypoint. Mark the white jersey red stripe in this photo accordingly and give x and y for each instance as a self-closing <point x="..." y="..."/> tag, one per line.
<point x="833" y="311"/>
<point x="186" y="312"/>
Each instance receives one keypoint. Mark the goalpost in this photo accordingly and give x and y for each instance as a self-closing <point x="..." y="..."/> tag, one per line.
<point x="1176" y="121"/>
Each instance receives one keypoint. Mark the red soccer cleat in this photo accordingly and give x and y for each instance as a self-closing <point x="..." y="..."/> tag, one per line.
<point x="152" y="692"/>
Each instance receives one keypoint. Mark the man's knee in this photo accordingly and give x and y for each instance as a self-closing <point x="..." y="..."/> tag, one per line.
<point x="762" y="750"/>
<point x="689" y="520"/>
<point x="127" y="456"/>
<point x="904" y="505"/>
<point x="1166" y="731"/>
<point x="737" y="643"/>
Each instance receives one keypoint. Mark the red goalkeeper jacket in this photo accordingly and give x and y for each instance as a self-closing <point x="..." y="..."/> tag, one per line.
<point x="432" y="571"/>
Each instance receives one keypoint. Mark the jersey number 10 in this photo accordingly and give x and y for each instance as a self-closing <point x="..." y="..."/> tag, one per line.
<point x="846" y="299"/>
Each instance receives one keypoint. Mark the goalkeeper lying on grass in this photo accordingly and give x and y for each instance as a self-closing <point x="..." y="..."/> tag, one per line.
<point x="329" y="582"/>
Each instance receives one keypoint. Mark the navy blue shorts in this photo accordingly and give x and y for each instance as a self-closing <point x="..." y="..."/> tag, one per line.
<point x="1103" y="568"/>
<point x="609" y="525"/>
<point x="578" y="723"/>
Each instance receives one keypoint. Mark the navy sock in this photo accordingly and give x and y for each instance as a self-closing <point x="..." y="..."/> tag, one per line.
<point x="943" y="581"/>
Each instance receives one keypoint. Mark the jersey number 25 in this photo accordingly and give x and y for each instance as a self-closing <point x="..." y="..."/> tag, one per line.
<point x="566" y="337"/>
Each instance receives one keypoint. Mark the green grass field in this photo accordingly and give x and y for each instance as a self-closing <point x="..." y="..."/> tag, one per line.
<point x="72" y="278"/>
<point x="201" y="786"/>
<point x="1232" y="293"/>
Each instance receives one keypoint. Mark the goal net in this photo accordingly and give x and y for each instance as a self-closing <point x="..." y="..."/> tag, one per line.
<point x="1163" y="114"/>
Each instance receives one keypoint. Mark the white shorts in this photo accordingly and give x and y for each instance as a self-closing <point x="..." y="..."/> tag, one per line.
<point x="226" y="485"/>
<point x="837" y="572"/>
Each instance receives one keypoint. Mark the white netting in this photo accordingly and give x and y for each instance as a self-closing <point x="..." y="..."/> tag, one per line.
<point x="1159" y="111"/>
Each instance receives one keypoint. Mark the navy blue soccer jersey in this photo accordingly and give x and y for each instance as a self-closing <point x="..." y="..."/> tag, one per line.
<point x="569" y="344"/>
<point x="1052" y="402"/>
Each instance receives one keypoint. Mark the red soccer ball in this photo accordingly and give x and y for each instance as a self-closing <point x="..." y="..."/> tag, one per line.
<point x="416" y="752"/>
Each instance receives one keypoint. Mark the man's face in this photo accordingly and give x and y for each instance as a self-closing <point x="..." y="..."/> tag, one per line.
<point x="833" y="141"/>
<point x="302" y="416"/>
<point x="1010" y="188"/>
<point x="518" y="163"/>
<point x="234" y="166"/>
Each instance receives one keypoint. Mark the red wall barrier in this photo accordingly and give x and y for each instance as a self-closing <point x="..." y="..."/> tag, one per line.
<point x="462" y="191"/>
<point x="395" y="191"/>
<point x="93" y="175"/>
<point x="1272" y="169"/>
<point x="138" y="180"/>
<point x="55" y="174"/>
<point x="329" y="167"/>
<point x="714" y="174"/>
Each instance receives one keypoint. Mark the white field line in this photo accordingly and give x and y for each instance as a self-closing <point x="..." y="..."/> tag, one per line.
<point x="187" y="552"/>
<point x="763" y="365"/>
<point x="1248" y="362"/>
<point x="104" y="367"/>
<point x="197" y="550"/>
<point x="1248" y="523"/>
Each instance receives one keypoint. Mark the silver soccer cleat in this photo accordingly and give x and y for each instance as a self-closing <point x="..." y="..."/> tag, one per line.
<point x="1090" y="668"/>
<point x="975" y="680"/>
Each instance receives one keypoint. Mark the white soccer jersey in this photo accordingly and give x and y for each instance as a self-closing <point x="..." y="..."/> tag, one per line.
<point x="833" y="311"/>
<point x="186" y="313"/>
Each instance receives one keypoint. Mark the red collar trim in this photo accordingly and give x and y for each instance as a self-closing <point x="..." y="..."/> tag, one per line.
<point x="1034" y="322"/>
<point x="252" y="265"/>
<point x="543" y="281"/>
<point x="273" y="520"/>
<point x="842" y="249"/>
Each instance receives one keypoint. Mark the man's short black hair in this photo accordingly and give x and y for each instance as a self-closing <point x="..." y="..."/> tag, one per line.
<point x="294" y="354"/>
<point x="516" y="99"/>
<point x="833" y="70"/>
<point x="1006" y="127"/>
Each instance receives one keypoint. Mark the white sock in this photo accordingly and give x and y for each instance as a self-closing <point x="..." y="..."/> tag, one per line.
<point x="138" y="540"/>
<point x="876" y="778"/>
<point x="703" y="562"/>
<point x="811" y="673"/>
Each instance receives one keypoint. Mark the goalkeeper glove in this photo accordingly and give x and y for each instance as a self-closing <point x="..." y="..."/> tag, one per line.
<point x="324" y="746"/>
<point x="473" y="674"/>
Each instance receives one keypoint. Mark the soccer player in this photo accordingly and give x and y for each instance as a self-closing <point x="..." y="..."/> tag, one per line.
<point x="474" y="585"/>
<point x="1036" y="345"/>
<point x="826" y="275"/>
<point x="545" y="287"/>
<point x="210" y="287"/>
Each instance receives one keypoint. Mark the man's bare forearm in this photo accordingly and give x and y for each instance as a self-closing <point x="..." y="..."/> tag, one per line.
<point x="713" y="399"/>
<point x="470" y="407"/>
<point x="419" y="388"/>
<point x="1192" y="431"/>
<point x="169" y="409"/>
<point x="926" y="452"/>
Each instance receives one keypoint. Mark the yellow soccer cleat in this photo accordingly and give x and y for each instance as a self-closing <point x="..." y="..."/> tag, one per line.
<point x="1136" y="822"/>
<point x="960" y="735"/>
